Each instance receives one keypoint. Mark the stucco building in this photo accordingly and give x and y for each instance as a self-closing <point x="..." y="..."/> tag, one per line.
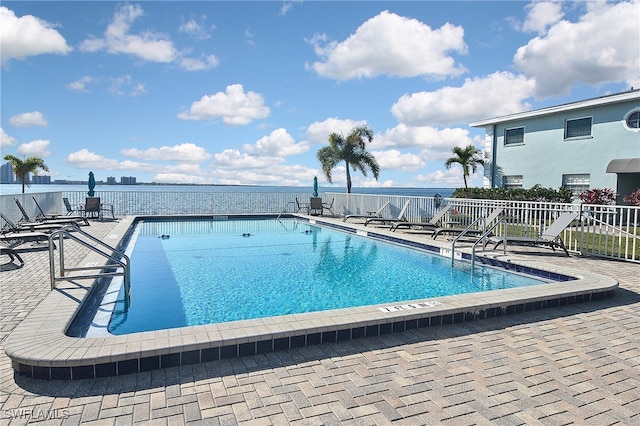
<point x="593" y="143"/>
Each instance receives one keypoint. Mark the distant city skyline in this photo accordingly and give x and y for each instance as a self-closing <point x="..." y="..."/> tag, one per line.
<point x="7" y="176"/>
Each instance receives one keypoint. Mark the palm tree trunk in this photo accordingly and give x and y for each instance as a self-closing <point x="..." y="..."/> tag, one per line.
<point x="348" y="180"/>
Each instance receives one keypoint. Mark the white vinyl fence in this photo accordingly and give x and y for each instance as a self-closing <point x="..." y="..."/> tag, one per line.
<point x="604" y="231"/>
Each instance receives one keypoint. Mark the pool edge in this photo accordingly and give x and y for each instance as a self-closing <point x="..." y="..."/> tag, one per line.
<point x="53" y="355"/>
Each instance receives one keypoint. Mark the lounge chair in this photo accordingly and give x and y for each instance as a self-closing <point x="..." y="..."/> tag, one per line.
<point x="46" y="216"/>
<point x="369" y="215"/>
<point x="549" y="237"/>
<point x="61" y="220"/>
<point x="94" y="208"/>
<point x="16" y="238"/>
<point x="12" y="227"/>
<point x="472" y="232"/>
<point x="11" y="252"/>
<point x="387" y="220"/>
<point x="432" y="224"/>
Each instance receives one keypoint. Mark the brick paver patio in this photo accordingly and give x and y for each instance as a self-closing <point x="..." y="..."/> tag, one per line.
<point x="577" y="364"/>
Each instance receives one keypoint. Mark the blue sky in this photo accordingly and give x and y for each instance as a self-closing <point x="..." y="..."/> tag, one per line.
<point x="212" y="92"/>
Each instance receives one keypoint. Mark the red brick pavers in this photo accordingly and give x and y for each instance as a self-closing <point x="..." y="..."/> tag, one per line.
<point x="577" y="364"/>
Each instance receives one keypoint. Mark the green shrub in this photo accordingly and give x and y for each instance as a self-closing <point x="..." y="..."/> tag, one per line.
<point x="535" y="193"/>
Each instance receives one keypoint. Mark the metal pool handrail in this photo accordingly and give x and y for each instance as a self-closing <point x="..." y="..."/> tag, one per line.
<point x="482" y="237"/>
<point x="116" y="257"/>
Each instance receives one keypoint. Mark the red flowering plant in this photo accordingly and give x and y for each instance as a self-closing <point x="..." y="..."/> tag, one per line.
<point x="598" y="196"/>
<point x="633" y="198"/>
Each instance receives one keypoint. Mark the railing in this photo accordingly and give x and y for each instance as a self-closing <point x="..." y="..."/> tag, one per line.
<point x="482" y="240"/>
<point x="117" y="262"/>
<point x="608" y="231"/>
<point x="344" y="204"/>
<point x="185" y="203"/>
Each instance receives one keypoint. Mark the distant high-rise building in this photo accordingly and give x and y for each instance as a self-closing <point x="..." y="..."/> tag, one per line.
<point x="44" y="179"/>
<point x="111" y="180"/>
<point x="6" y="174"/>
<point x="127" y="180"/>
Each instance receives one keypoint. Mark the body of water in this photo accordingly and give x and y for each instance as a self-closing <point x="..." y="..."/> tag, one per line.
<point x="7" y="189"/>
<point x="207" y="272"/>
<point x="199" y="199"/>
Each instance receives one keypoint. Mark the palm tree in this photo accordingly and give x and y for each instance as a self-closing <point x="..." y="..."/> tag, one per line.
<point x="22" y="168"/>
<point x="469" y="157"/>
<point x="350" y="150"/>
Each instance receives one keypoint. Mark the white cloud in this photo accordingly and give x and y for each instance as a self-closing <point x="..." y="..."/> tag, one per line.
<point x="234" y="106"/>
<point x="196" y="28"/>
<point x="277" y="144"/>
<point x="183" y="178"/>
<point x="28" y="119"/>
<point x="319" y="131"/>
<point x="233" y="159"/>
<point x="393" y="159"/>
<point x="85" y="159"/>
<point x="433" y="143"/>
<point x="392" y="45"/>
<point x="187" y="152"/>
<point x="602" y="47"/>
<point x="28" y="36"/>
<point x="80" y="85"/>
<point x="448" y="178"/>
<point x="177" y="173"/>
<point x="205" y="62"/>
<point x="124" y="86"/>
<point x="481" y="97"/>
<point x="37" y="148"/>
<point x="287" y="6"/>
<point x="5" y="139"/>
<point x="541" y="15"/>
<point x="147" y="45"/>
<point x="282" y="175"/>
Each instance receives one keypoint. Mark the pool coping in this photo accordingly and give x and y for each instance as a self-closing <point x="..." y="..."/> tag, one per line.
<point x="39" y="347"/>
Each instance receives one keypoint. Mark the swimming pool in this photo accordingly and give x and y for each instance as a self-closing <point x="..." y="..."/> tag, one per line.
<point x="63" y="350"/>
<point x="197" y="272"/>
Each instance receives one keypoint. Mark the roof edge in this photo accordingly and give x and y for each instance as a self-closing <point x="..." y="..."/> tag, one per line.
<point x="601" y="100"/>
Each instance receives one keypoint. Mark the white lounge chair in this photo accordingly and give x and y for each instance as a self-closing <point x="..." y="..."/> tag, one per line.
<point x="61" y="220"/>
<point x="550" y="237"/>
<point x="52" y="216"/>
<point x="369" y="215"/>
<point x="12" y="227"/>
<point x="429" y="225"/>
<point x="387" y="220"/>
<point x="472" y="232"/>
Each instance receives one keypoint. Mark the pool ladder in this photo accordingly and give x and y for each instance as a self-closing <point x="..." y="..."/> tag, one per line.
<point x="486" y="233"/>
<point x="117" y="262"/>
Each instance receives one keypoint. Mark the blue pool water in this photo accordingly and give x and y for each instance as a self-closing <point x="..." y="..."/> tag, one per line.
<point x="210" y="271"/>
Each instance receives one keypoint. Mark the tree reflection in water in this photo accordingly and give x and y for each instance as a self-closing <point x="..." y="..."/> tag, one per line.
<point x="349" y="267"/>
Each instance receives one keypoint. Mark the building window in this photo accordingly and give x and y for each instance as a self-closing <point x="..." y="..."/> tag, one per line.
<point x="577" y="128"/>
<point x="514" y="136"/>
<point x="514" y="181"/>
<point x="632" y="120"/>
<point x="577" y="183"/>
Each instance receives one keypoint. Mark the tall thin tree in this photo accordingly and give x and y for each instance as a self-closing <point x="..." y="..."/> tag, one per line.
<point x="469" y="158"/>
<point x="351" y="150"/>
<point x="22" y="168"/>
